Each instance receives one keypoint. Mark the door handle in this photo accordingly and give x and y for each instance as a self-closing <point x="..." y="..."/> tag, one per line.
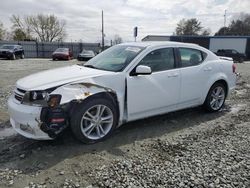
<point x="173" y="75"/>
<point x="208" y="69"/>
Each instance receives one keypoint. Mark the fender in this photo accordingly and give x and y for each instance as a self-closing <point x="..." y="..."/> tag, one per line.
<point x="80" y="91"/>
<point x="211" y="81"/>
<point x="55" y="120"/>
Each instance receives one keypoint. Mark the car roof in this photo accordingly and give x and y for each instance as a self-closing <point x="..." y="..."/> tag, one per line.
<point x="160" y="43"/>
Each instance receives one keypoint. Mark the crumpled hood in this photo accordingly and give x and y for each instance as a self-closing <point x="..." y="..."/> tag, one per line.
<point x="56" y="77"/>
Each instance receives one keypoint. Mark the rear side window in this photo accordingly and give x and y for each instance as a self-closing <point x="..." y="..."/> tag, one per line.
<point x="159" y="60"/>
<point x="191" y="57"/>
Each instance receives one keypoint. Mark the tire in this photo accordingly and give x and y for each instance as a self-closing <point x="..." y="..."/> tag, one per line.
<point x="22" y="56"/>
<point x="13" y="57"/>
<point x="241" y="60"/>
<point x="89" y="129"/>
<point x="215" y="98"/>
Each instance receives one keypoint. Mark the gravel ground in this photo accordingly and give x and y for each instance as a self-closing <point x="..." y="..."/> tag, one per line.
<point x="189" y="148"/>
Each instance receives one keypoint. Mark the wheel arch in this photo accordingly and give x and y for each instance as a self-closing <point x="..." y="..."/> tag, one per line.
<point x="222" y="81"/>
<point x="74" y="94"/>
<point x="219" y="80"/>
<point x="105" y="94"/>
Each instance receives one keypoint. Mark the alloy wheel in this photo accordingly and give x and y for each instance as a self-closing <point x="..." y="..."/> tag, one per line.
<point x="96" y="122"/>
<point x="217" y="98"/>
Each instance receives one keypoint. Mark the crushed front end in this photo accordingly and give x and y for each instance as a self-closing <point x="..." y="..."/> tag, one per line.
<point x="37" y="114"/>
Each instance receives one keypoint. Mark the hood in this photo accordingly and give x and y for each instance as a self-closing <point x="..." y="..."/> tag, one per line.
<point x="56" y="77"/>
<point x="6" y="50"/>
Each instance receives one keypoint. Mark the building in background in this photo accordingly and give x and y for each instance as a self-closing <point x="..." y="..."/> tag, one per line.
<point x="213" y="43"/>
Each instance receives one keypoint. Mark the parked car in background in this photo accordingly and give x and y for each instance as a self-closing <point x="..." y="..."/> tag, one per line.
<point x="86" y="55"/>
<point x="62" y="54"/>
<point x="11" y="51"/>
<point x="234" y="54"/>
<point x="124" y="83"/>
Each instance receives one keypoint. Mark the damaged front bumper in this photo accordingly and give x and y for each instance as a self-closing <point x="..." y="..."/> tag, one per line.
<point x="25" y="120"/>
<point x="40" y="123"/>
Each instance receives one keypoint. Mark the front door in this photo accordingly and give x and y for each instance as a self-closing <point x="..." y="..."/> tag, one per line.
<point x="158" y="92"/>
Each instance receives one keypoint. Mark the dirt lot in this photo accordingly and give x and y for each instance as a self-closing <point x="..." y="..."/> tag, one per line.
<point x="189" y="148"/>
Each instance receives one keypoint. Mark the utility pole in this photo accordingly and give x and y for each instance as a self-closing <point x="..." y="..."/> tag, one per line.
<point x="135" y="32"/>
<point x="102" y="33"/>
<point x="225" y="21"/>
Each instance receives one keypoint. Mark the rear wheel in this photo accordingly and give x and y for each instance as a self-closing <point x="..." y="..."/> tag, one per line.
<point x="94" y="120"/>
<point x="216" y="97"/>
<point x="22" y="56"/>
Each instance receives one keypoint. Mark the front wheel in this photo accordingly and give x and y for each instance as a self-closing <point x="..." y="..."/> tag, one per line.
<point x="215" y="98"/>
<point x="13" y="57"/>
<point x="94" y="120"/>
<point x="241" y="60"/>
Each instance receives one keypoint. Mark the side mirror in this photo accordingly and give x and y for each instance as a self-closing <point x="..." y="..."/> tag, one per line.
<point x="143" y="70"/>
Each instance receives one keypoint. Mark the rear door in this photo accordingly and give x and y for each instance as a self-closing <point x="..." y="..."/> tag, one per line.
<point x="155" y="93"/>
<point x="194" y="75"/>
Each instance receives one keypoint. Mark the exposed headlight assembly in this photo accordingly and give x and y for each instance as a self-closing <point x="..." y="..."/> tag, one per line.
<point x="38" y="95"/>
<point x="37" y="98"/>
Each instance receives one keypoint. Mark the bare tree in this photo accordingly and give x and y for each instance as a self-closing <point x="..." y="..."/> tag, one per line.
<point x="21" y="30"/>
<point x="206" y="32"/>
<point x="46" y="28"/>
<point x="189" y="27"/>
<point x="19" y="34"/>
<point x="2" y="31"/>
<point x="117" y="39"/>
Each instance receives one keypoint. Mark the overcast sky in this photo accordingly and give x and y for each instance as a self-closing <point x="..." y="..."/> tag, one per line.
<point x="157" y="17"/>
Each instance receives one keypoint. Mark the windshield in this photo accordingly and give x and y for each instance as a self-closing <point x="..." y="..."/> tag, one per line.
<point x="115" y="58"/>
<point x="9" y="47"/>
<point x="61" y="50"/>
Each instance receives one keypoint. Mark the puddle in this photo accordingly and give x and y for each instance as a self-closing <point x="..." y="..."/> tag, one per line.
<point x="236" y="108"/>
<point x="7" y="132"/>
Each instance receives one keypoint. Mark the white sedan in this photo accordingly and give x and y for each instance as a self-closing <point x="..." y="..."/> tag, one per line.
<point x="124" y="83"/>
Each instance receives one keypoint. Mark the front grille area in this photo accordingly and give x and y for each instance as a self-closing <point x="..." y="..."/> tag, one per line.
<point x="19" y="94"/>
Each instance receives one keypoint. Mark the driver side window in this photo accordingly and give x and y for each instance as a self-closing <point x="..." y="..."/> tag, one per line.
<point x="159" y="60"/>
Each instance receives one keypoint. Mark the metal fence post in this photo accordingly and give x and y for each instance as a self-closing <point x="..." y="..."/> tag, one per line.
<point x="36" y="49"/>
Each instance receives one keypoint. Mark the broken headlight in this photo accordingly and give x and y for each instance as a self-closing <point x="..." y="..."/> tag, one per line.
<point x="38" y="95"/>
<point x="37" y="98"/>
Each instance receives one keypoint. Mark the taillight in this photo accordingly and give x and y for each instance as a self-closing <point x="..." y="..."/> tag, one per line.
<point x="234" y="68"/>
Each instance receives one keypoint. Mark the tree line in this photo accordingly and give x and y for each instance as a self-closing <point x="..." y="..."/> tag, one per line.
<point x="40" y="27"/>
<point x="48" y="28"/>
<point x="237" y="27"/>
